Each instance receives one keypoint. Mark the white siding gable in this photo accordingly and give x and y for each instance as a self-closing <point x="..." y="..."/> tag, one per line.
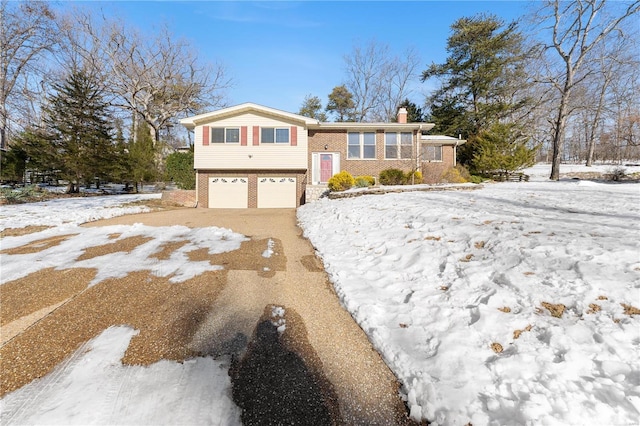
<point x="253" y="155"/>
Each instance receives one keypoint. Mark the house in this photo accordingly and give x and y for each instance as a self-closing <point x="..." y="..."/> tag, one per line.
<point x="250" y="155"/>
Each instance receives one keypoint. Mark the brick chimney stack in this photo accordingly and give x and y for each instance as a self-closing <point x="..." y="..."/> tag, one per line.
<point x="402" y="116"/>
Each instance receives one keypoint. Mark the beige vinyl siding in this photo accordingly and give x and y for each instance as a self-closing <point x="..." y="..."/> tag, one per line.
<point x="266" y="156"/>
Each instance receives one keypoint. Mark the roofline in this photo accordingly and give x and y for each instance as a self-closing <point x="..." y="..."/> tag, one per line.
<point x="442" y="140"/>
<point x="373" y="126"/>
<point x="191" y="122"/>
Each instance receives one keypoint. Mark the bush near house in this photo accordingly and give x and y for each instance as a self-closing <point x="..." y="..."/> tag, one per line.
<point x="417" y="178"/>
<point x="399" y="177"/>
<point x="364" y="181"/>
<point x="454" y="175"/>
<point x="341" y="181"/>
<point x="392" y="177"/>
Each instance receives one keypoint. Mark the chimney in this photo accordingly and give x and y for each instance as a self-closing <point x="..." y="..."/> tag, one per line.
<point x="402" y="116"/>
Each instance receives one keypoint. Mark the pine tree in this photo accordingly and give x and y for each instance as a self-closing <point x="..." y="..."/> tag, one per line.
<point x="78" y="121"/>
<point x="180" y="169"/>
<point x="312" y="107"/>
<point x="479" y="78"/>
<point x="341" y="104"/>
<point x="502" y="149"/>
<point x="142" y="155"/>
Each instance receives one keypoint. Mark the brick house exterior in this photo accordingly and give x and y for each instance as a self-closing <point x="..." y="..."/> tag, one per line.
<point x="251" y="156"/>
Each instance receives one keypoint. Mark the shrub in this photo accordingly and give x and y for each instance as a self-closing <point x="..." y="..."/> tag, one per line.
<point x="341" y="181"/>
<point x="452" y="175"/>
<point x="476" y="179"/>
<point x="464" y="173"/>
<point x="365" y="181"/>
<point x="616" y="174"/>
<point x="392" y="177"/>
<point x="417" y="178"/>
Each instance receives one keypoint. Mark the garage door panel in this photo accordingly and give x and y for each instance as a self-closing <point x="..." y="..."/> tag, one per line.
<point x="277" y="192"/>
<point x="228" y="192"/>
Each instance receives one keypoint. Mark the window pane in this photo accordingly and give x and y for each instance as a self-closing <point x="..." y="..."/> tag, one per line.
<point x="391" y="151"/>
<point x="390" y="139"/>
<point x="369" y="138"/>
<point x="233" y="136"/>
<point x="431" y="153"/>
<point x="354" y="138"/>
<point x="282" y="135"/>
<point x="354" y="151"/>
<point x="427" y="153"/>
<point x="405" y="151"/>
<point x="369" y="151"/>
<point x="406" y="138"/>
<point x="266" y="135"/>
<point x="217" y="135"/>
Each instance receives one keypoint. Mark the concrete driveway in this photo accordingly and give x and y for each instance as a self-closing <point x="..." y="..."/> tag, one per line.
<point x="296" y="356"/>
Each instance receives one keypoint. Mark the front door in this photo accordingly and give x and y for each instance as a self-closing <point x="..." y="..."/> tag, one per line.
<point x="326" y="167"/>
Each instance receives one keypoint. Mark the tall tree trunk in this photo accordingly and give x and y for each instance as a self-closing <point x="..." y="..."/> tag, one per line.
<point x="591" y="144"/>
<point x="560" y="123"/>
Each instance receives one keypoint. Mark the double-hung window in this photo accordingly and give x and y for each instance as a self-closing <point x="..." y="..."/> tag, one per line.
<point x="225" y="135"/>
<point x="431" y="152"/>
<point x="274" y="135"/>
<point x="398" y="145"/>
<point x="361" y="145"/>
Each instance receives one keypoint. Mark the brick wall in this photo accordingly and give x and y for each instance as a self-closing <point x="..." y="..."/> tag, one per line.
<point x="336" y="141"/>
<point x="252" y="177"/>
<point x="433" y="171"/>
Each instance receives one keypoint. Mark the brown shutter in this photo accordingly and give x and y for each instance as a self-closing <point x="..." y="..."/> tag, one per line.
<point x="256" y="135"/>
<point x="205" y="135"/>
<point x="294" y="136"/>
<point x="243" y="136"/>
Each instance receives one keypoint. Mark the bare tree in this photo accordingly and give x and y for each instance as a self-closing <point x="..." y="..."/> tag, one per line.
<point x="576" y="27"/>
<point x="378" y="81"/>
<point x="156" y="80"/>
<point x="26" y="33"/>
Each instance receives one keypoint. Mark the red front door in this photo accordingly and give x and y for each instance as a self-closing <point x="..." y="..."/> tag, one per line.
<point x="326" y="167"/>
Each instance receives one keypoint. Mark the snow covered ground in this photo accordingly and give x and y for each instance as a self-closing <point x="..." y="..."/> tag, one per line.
<point x="456" y="289"/>
<point x="504" y="305"/>
<point x="92" y="386"/>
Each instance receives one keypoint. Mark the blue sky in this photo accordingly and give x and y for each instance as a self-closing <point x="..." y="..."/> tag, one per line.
<point x="278" y="52"/>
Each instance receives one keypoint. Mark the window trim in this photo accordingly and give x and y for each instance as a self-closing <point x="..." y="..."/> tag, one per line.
<point x="224" y="135"/>
<point x="398" y="145"/>
<point x="275" y="135"/>
<point x="361" y="146"/>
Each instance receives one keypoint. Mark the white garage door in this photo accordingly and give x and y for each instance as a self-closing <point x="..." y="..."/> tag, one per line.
<point x="228" y="193"/>
<point x="276" y="192"/>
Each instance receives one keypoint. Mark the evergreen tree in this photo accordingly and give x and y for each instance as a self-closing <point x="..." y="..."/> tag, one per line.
<point x="312" y="107"/>
<point x="341" y="104"/>
<point x="32" y="149"/>
<point x="142" y="155"/>
<point x="180" y="169"/>
<point x="479" y="78"/>
<point x="502" y="148"/>
<point x="122" y="165"/>
<point x="78" y="121"/>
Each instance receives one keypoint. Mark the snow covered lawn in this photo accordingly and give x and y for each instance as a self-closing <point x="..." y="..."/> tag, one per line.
<point x="506" y="305"/>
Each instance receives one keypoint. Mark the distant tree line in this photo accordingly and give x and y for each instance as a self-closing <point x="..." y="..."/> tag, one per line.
<point x="559" y="85"/>
<point x="88" y="99"/>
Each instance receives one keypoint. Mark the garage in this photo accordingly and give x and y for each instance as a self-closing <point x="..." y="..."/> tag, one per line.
<point x="228" y="192"/>
<point x="277" y="192"/>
